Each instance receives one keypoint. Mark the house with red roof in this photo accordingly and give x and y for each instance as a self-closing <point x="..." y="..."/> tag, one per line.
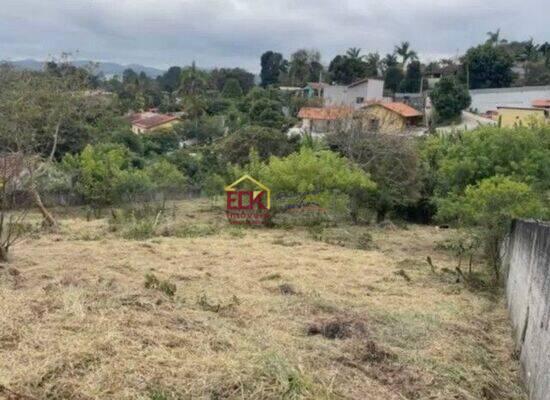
<point x="321" y="120"/>
<point x="541" y="103"/>
<point x="151" y="121"/>
<point x="388" y="117"/>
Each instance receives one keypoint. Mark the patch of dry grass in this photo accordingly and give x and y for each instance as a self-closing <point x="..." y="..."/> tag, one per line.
<point x="76" y="321"/>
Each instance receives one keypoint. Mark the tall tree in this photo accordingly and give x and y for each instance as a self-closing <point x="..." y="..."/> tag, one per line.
<point x="273" y="64"/>
<point x="170" y="80"/>
<point x="193" y="81"/>
<point x="373" y="64"/>
<point x="35" y="108"/>
<point x="449" y="98"/>
<point x="389" y="60"/>
<point x="305" y="65"/>
<point x="345" y="70"/>
<point x="405" y="52"/>
<point x="494" y="38"/>
<point x="413" y="77"/>
<point x="487" y="66"/>
<point x="219" y="76"/>
<point x="393" y="77"/>
<point x="354" y="53"/>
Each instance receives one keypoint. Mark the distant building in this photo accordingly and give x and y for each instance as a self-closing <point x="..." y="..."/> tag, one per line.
<point x="314" y="89"/>
<point x="321" y="120"/>
<point x="354" y="95"/>
<point x="415" y="100"/>
<point x="484" y="100"/>
<point x="436" y="72"/>
<point x="151" y="121"/>
<point x="541" y="103"/>
<point x="389" y="118"/>
<point x="510" y="117"/>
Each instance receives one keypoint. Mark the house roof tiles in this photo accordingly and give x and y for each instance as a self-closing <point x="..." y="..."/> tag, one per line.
<point x="327" y="113"/>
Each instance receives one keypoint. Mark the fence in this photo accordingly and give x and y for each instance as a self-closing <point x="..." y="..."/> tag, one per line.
<point x="526" y="256"/>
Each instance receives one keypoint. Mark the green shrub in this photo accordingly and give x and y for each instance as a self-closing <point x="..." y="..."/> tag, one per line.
<point x="491" y="205"/>
<point x="152" y="282"/>
<point x="322" y="179"/>
<point x="138" y="222"/>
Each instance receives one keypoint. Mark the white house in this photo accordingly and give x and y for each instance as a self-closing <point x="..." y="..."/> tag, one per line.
<point x="354" y="95"/>
<point x="484" y="100"/>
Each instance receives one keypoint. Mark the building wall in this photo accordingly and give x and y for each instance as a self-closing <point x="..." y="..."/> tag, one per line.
<point x="488" y="99"/>
<point x="388" y="121"/>
<point x="526" y="263"/>
<point x="340" y="95"/>
<point x="168" y="125"/>
<point x="513" y="117"/>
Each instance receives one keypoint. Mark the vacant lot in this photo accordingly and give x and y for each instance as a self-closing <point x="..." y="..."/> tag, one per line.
<point x="256" y="313"/>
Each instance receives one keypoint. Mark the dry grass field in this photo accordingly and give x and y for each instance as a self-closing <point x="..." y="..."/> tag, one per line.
<point x="256" y="314"/>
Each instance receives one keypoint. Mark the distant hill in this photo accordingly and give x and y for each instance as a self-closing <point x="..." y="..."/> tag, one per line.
<point x="108" y="68"/>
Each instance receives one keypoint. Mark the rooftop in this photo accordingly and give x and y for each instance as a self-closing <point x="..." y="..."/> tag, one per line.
<point x="400" y="108"/>
<point x="327" y="113"/>
<point x="153" y="120"/>
<point x="510" y="89"/>
<point x="520" y="108"/>
<point x="541" y="103"/>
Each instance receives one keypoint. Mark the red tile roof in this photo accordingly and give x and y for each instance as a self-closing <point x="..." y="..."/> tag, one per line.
<point x="328" y="113"/>
<point x="400" y="108"/>
<point x="545" y="103"/>
<point x="154" y="120"/>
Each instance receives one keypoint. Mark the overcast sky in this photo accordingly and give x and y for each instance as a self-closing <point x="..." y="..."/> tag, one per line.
<point x="161" y="33"/>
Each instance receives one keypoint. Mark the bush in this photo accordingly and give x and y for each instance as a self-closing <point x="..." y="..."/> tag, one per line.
<point x="152" y="282"/>
<point x="165" y="176"/>
<point x="459" y="161"/>
<point x="232" y="88"/>
<point x="491" y="205"/>
<point x="236" y="147"/>
<point x="320" y="179"/>
<point x="204" y="129"/>
<point x="136" y="223"/>
<point x="449" y="98"/>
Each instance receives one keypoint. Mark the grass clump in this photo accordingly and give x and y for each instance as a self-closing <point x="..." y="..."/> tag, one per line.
<point x="207" y="305"/>
<point x="136" y="223"/>
<point x="152" y="282"/>
<point x="190" y="231"/>
<point x="286" y="381"/>
<point x="349" y="237"/>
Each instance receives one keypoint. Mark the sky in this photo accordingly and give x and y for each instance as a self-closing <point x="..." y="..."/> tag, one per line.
<point x="231" y="33"/>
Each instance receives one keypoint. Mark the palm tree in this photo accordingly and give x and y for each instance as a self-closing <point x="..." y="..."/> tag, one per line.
<point x="193" y="81"/>
<point x="390" y="60"/>
<point x="405" y="52"/>
<point x="373" y="62"/>
<point x="530" y="51"/>
<point x="494" y="38"/>
<point x="354" y="53"/>
<point x="544" y="50"/>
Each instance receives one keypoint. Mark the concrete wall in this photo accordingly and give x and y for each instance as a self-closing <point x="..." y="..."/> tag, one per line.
<point x="511" y="117"/>
<point x="340" y="95"/>
<point x="526" y="260"/>
<point x="488" y="99"/>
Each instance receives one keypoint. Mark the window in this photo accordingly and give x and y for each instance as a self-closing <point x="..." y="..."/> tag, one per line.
<point x="359" y="100"/>
<point x="374" y="124"/>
